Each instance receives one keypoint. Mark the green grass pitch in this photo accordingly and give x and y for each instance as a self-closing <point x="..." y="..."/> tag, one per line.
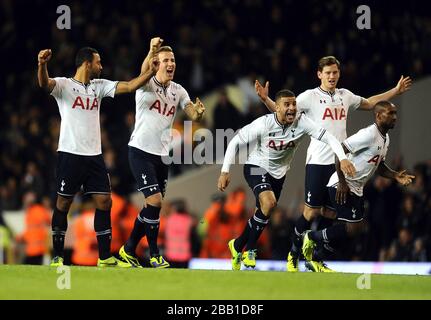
<point x="40" y="282"/>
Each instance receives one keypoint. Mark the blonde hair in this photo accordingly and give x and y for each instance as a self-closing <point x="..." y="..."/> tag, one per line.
<point x="164" y="49"/>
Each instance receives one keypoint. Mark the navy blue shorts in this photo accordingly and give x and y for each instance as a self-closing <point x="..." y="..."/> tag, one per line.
<point x="150" y="173"/>
<point x="259" y="180"/>
<point x="351" y="211"/>
<point x="316" y="179"/>
<point x="76" y="172"/>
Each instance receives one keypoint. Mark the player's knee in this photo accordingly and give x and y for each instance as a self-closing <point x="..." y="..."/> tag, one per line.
<point x="63" y="203"/>
<point x="328" y="213"/>
<point x="355" y="228"/>
<point x="267" y="204"/>
<point x="154" y="200"/>
<point x="311" y="213"/>
<point x="103" y="202"/>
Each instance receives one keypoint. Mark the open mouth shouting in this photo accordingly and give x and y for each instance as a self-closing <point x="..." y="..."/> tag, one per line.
<point x="170" y="72"/>
<point x="290" y="116"/>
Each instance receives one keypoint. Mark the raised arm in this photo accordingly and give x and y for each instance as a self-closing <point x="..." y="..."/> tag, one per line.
<point x="262" y="92"/>
<point x="401" y="177"/>
<point x="42" y="70"/>
<point x="155" y="44"/>
<point x="403" y="85"/>
<point x="195" y="111"/>
<point x="136" y="83"/>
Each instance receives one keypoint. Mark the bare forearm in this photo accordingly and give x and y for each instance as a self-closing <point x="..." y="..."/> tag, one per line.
<point x="382" y="96"/>
<point x="42" y="75"/>
<point x="134" y="84"/>
<point x="146" y="63"/>
<point x="385" y="171"/>
<point x="340" y="174"/>
<point x="270" y="104"/>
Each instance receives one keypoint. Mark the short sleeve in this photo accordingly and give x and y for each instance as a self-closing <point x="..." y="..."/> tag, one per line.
<point x="353" y="101"/>
<point x="58" y="88"/>
<point x="358" y="141"/>
<point x="184" y="98"/>
<point x="106" y="88"/>
<point x="303" y="101"/>
<point x="253" y="131"/>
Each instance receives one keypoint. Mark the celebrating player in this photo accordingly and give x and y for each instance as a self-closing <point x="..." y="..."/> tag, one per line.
<point x="80" y="160"/>
<point x="156" y="106"/>
<point x="277" y="137"/>
<point x="329" y="107"/>
<point x="367" y="150"/>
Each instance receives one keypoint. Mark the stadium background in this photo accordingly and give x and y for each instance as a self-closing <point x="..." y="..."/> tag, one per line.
<point x="220" y="49"/>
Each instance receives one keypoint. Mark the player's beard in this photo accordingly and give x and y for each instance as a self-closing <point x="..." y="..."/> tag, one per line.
<point x="95" y="74"/>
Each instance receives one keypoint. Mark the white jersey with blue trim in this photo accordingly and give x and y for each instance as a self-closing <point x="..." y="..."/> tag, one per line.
<point x="327" y="110"/>
<point x="156" y="107"/>
<point x="276" y="143"/>
<point x="79" y="106"/>
<point x="367" y="147"/>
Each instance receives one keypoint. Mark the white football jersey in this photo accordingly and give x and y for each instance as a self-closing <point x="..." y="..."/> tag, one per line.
<point x="367" y="147"/>
<point x="156" y="106"/>
<point x="79" y="107"/>
<point x="276" y="144"/>
<point x="327" y="110"/>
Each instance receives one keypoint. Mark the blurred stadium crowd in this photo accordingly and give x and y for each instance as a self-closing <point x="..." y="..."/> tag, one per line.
<point x="214" y="45"/>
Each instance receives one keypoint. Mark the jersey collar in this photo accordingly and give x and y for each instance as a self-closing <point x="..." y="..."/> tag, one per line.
<point x="284" y="127"/>
<point x="381" y="134"/>
<point x="326" y="92"/>
<point x="80" y="83"/>
<point x="157" y="82"/>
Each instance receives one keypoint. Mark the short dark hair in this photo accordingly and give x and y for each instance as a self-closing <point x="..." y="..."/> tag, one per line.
<point x="328" y="61"/>
<point x="284" y="93"/>
<point x="382" y="105"/>
<point x="83" y="55"/>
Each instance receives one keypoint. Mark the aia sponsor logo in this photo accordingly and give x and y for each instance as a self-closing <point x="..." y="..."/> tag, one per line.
<point x="272" y="144"/>
<point x="86" y="103"/>
<point x="334" y="114"/>
<point x="166" y="111"/>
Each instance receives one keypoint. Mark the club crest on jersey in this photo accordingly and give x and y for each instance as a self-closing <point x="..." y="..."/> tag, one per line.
<point x="163" y="110"/>
<point x="334" y="114"/>
<point x="281" y="146"/>
<point x="86" y="104"/>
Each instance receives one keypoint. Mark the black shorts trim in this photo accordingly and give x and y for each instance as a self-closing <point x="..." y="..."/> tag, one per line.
<point x="352" y="211"/>
<point x="351" y="221"/>
<point x="96" y="192"/>
<point x="65" y="195"/>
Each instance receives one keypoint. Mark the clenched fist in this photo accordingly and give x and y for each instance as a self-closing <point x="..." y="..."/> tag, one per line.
<point x="44" y="56"/>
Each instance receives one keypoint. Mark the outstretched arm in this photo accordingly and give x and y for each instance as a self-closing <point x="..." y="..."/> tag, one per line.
<point x="401" y="177"/>
<point x="42" y="70"/>
<point x="262" y="92"/>
<point x="403" y="85"/>
<point x="195" y="111"/>
<point x="136" y="83"/>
